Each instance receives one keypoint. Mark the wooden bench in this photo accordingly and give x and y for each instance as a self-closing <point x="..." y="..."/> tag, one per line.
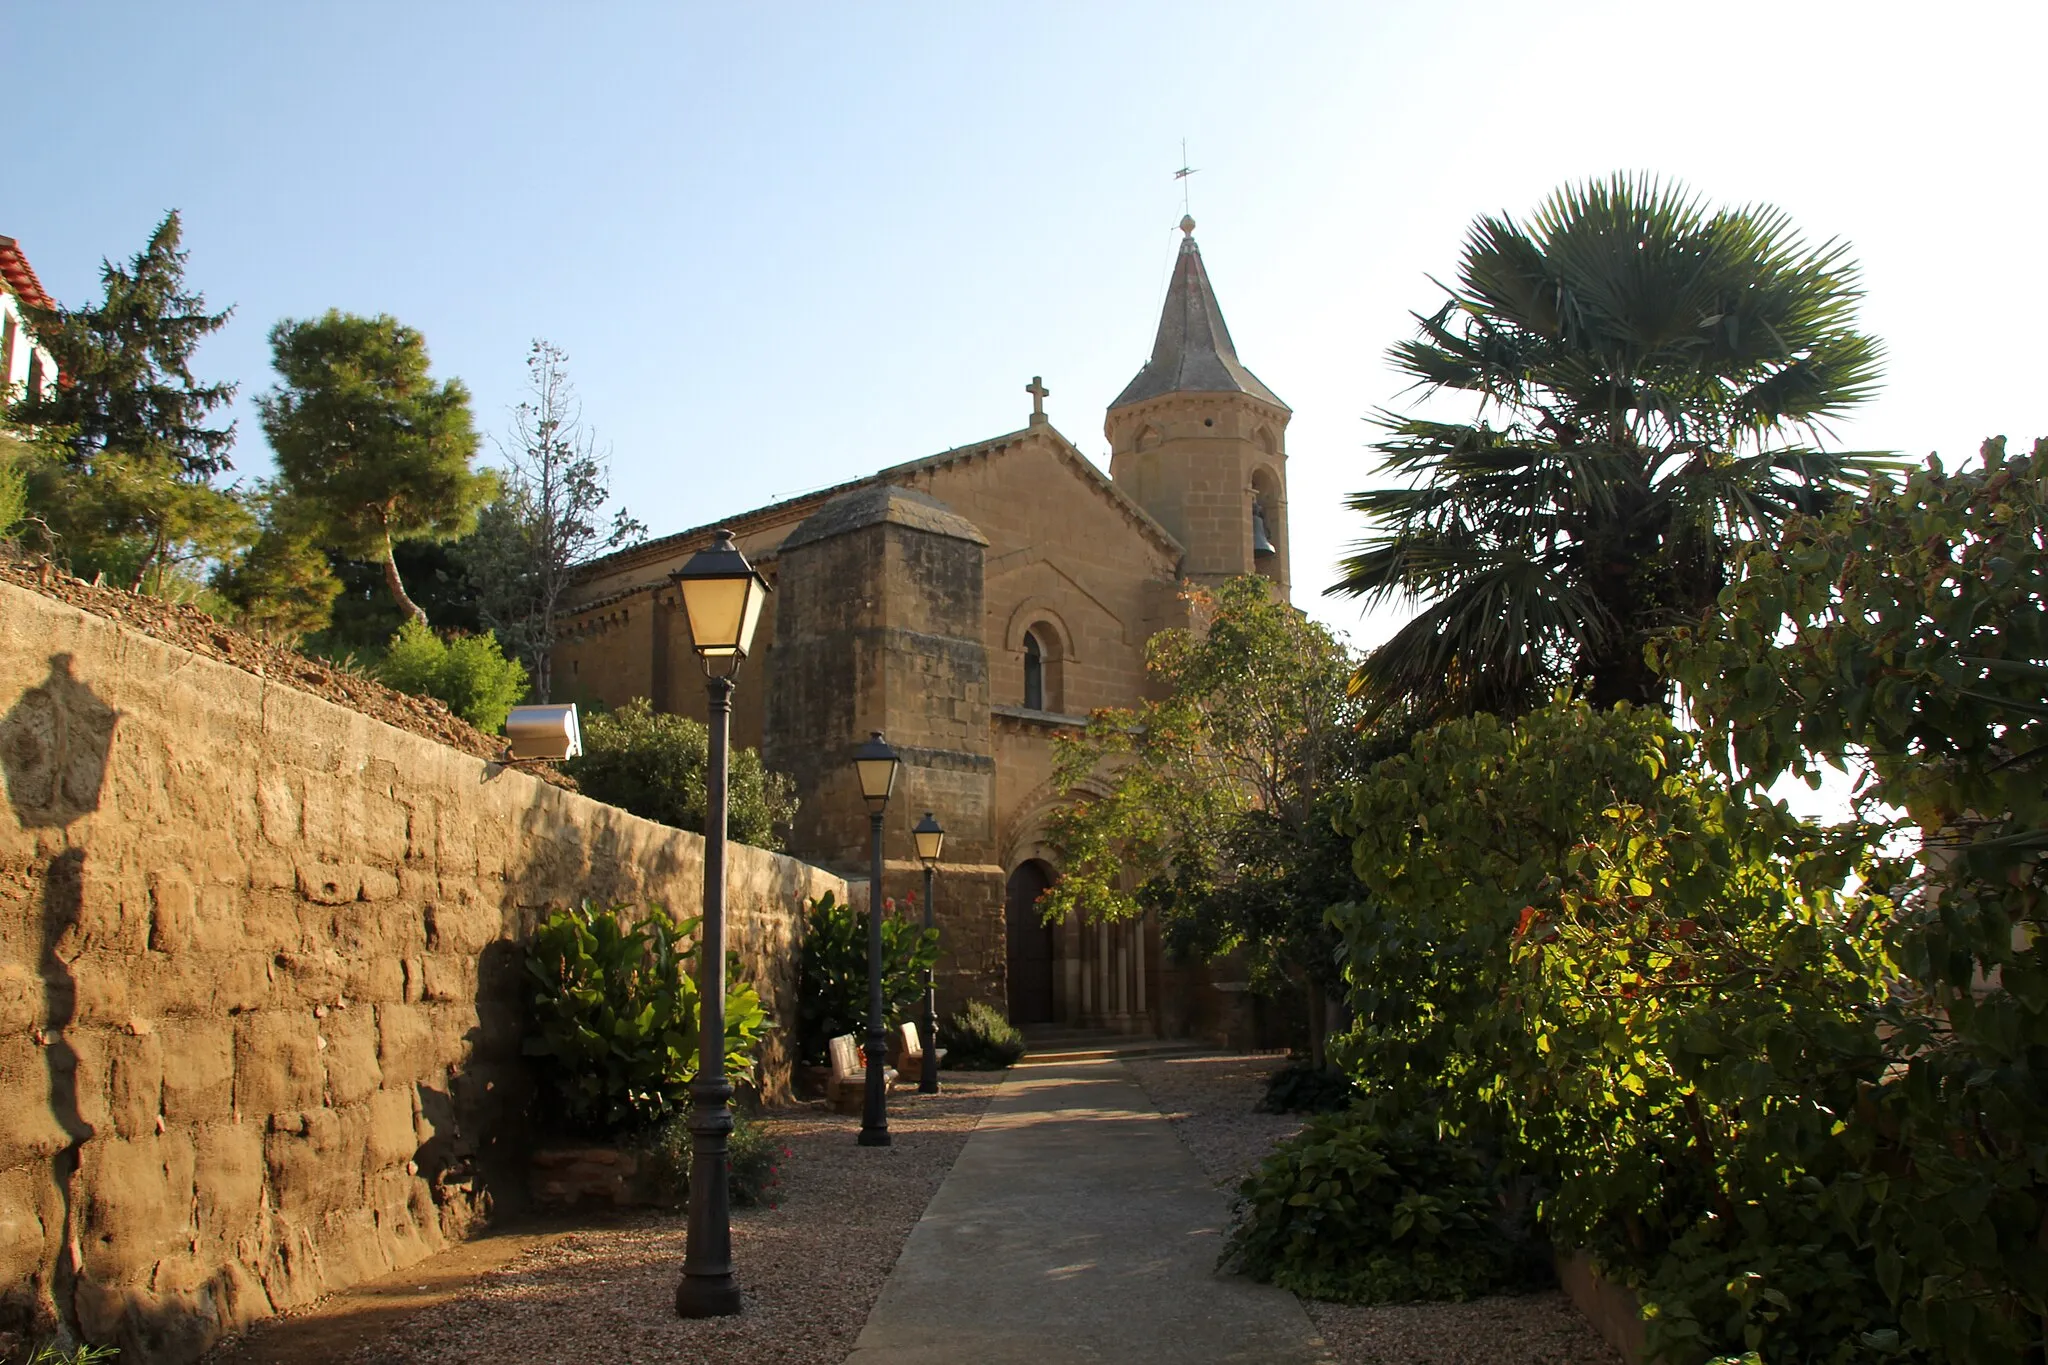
<point x="846" y="1090"/>
<point x="910" y="1052"/>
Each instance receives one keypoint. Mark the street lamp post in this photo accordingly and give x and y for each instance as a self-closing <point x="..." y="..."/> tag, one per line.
<point x="875" y="763"/>
<point x="931" y="840"/>
<point x="722" y="596"/>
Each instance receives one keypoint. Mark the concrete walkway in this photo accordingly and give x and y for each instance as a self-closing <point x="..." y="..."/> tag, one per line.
<point x="1075" y="1227"/>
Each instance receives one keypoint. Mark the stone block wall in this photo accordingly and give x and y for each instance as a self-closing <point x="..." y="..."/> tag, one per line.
<point x="259" y="981"/>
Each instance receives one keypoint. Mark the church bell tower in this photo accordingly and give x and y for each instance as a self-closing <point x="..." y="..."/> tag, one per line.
<point x="1200" y="443"/>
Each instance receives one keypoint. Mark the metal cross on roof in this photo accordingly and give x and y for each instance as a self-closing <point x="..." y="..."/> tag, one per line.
<point x="1182" y="175"/>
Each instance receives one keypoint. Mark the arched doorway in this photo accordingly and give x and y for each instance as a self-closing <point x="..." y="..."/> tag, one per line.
<point x="1030" y="945"/>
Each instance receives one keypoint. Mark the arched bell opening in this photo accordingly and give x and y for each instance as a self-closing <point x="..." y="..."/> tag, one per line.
<point x="1268" y="525"/>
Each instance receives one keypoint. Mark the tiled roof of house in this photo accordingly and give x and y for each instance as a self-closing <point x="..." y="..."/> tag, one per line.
<point x="20" y="276"/>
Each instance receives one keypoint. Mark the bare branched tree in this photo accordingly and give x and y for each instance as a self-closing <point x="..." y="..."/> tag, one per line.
<point x="549" y="521"/>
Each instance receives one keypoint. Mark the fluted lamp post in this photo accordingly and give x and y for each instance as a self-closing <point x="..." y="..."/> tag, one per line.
<point x="931" y="841"/>
<point x="722" y="596"/>
<point x="875" y="763"/>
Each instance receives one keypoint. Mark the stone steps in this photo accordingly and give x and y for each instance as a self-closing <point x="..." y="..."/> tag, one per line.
<point x="1055" y="1045"/>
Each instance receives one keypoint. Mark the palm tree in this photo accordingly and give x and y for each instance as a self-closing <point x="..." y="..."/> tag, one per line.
<point x="1651" y="380"/>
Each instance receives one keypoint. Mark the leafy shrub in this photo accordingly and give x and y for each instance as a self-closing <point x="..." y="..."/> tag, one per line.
<point x="1906" y="632"/>
<point x="753" y="1165"/>
<point x="1303" y="1087"/>
<point x="470" y="673"/>
<point x="13" y="483"/>
<point x="980" y="1039"/>
<point x="281" y="588"/>
<point x="615" y="1016"/>
<point x="1654" y="996"/>
<point x="652" y="764"/>
<point x="1354" y="1210"/>
<point x="832" y="994"/>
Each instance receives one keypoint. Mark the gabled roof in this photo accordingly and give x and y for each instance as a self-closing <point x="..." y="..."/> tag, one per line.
<point x="21" y="276"/>
<point x="1193" y="351"/>
<point x="794" y="510"/>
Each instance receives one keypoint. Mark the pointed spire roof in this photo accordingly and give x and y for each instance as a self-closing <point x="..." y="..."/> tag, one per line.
<point x="1193" y="352"/>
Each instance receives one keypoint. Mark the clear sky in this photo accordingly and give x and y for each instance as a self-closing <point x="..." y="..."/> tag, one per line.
<point x="785" y="245"/>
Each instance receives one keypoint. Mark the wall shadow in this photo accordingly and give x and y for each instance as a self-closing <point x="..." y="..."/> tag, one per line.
<point x="54" y="746"/>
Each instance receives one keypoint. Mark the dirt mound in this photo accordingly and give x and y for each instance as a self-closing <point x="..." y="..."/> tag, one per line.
<point x="190" y="628"/>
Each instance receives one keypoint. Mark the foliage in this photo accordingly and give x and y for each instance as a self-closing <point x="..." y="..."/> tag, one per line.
<point x="753" y="1166"/>
<point x="365" y="613"/>
<point x="1648" y="378"/>
<point x="615" y="1015"/>
<point x="49" y="1354"/>
<point x="1906" y="634"/>
<point x="127" y="361"/>
<point x="832" y="991"/>
<point x="1209" y="806"/>
<point x="528" y="543"/>
<point x="1355" y="1210"/>
<point x="370" y="449"/>
<point x="470" y="673"/>
<point x="14" y="462"/>
<point x="1653" y="995"/>
<point x="131" y="492"/>
<point x="653" y="763"/>
<point x="282" y="588"/>
<point x="140" y="522"/>
<point x="978" y="1038"/>
<point x="1304" y="1087"/>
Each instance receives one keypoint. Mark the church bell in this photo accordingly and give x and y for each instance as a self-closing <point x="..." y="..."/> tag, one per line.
<point x="1262" y="544"/>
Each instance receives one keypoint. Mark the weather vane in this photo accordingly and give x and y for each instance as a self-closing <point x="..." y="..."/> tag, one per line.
<point x="1182" y="175"/>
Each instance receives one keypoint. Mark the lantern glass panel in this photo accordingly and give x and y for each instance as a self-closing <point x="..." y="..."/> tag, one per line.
<point x="719" y="613"/>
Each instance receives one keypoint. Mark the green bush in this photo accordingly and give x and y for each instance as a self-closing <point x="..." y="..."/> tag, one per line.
<point x="652" y="764"/>
<point x="1651" y="996"/>
<point x="470" y="673"/>
<point x="13" y="483"/>
<point x="614" y="1011"/>
<point x="1353" y="1210"/>
<point x="753" y="1167"/>
<point x="832" y="995"/>
<point x="1302" y="1087"/>
<point x="978" y="1038"/>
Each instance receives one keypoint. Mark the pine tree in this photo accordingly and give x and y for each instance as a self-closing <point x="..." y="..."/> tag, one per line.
<point x="370" y="449"/>
<point x="133" y="490"/>
<point x="128" y="385"/>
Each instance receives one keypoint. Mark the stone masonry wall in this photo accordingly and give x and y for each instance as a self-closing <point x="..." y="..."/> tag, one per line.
<point x="259" y="981"/>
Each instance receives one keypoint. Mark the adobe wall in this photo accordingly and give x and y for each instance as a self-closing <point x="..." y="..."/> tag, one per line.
<point x="259" y="981"/>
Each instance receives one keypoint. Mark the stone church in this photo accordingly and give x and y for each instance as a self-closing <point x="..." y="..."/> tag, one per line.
<point x="973" y="606"/>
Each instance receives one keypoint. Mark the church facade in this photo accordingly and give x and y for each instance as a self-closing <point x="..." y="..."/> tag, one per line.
<point x="973" y="606"/>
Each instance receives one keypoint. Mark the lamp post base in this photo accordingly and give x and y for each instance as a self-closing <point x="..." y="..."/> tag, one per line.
<point x="874" y="1137"/>
<point x="707" y="1296"/>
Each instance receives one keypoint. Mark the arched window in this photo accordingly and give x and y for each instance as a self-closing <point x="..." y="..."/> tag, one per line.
<point x="1034" y="672"/>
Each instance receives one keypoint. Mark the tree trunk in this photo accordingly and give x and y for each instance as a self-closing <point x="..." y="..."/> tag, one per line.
<point x="397" y="584"/>
<point x="156" y="550"/>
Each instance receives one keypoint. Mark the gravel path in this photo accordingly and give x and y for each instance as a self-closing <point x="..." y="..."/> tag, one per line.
<point x="811" y="1266"/>
<point x="1211" y="1102"/>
